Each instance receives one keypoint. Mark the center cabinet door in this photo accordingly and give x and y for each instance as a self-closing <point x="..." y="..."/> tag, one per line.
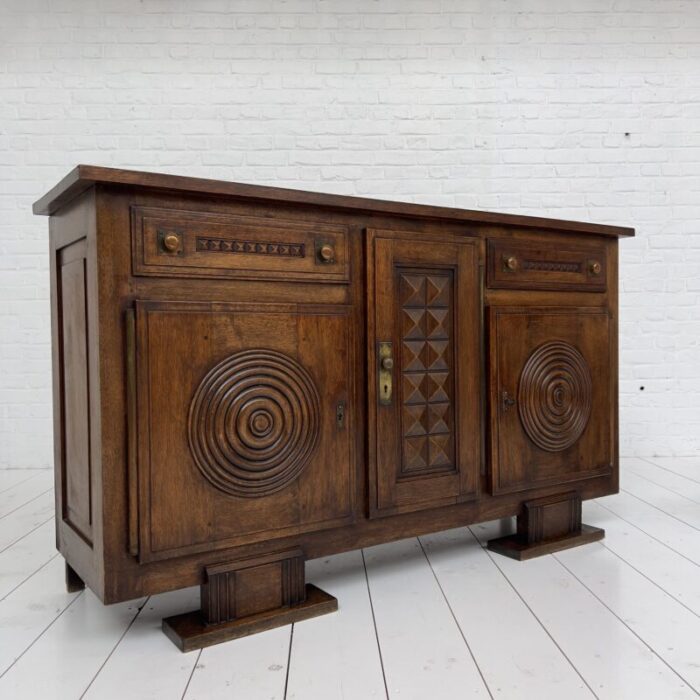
<point x="424" y="368"/>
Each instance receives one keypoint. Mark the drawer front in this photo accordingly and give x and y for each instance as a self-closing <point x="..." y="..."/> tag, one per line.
<point x="170" y="242"/>
<point x="534" y="265"/>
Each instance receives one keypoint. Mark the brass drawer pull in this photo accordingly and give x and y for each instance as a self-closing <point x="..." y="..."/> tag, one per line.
<point x="170" y="242"/>
<point x="326" y="253"/>
<point x="594" y="267"/>
<point x="510" y="263"/>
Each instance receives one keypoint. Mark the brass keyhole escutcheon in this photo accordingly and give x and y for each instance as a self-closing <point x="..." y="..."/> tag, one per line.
<point x="385" y="373"/>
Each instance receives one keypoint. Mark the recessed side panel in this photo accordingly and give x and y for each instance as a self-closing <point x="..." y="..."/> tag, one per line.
<point x="75" y="389"/>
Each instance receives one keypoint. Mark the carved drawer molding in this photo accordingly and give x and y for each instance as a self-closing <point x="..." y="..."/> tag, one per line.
<point x="183" y="243"/>
<point x="518" y="264"/>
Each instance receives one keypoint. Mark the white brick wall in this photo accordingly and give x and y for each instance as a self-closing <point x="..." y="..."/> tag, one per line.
<point x="588" y="109"/>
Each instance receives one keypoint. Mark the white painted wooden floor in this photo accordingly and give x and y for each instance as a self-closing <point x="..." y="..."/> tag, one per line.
<point x="437" y="617"/>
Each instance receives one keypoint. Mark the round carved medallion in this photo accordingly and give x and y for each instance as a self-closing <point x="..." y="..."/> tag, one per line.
<point x="554" y="396"/>
<point x="254" y="422"/>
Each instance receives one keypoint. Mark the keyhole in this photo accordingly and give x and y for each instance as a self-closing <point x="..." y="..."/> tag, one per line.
<point x="386" y="388"/>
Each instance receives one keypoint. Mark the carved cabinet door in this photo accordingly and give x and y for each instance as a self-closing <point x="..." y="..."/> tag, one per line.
<point x="551" y="396"/>
<point x="244" y="423"/>
<point x="423" y="321"/>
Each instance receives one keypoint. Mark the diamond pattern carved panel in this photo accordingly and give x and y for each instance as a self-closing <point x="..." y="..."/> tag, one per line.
<point x="425" y="308"/>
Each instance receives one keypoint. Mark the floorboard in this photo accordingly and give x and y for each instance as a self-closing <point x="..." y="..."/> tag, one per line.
<point x="12" y="477"/>
<point x="680" y="537"/>
<point x="680" y="485"/>
<point x="129" y="670"/>
<point x="665" y="626"/>
<point x="424" y="653"/>
<point x="345" y="641"/>
<point x="26" y="556"/>
<point x="25" y="519"/>
<point x="25" y="491"/>
<point x="689" y="467"/>
<point x="676" y="575"/>
<point x="665" y="500"/>
<point x="437" y="617"/>
<point x="614" y="662"/>
<point x="64" y="660"/>
<point x="525" y="662"/>
<point x="29" y="610"/>
<point x="252" y="667"/>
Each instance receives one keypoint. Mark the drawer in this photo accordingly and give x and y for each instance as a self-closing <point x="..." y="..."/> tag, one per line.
<point x="171" y="242"/>
<point x="515" y="264"/>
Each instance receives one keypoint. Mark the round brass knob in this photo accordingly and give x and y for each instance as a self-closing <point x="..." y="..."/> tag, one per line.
<point x="510" y="262"/>
<point x="171" y="242"/>
<point x="388" y="363"/>
<point x="595" y="267"/>
<point x="326" y="253"/>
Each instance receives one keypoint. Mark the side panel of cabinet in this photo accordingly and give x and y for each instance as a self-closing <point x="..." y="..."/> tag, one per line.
<point x="245" y="423"/>
<point x="552" y="417"/>
<point x="76" y="468"/>
<point x="423" y="340"/>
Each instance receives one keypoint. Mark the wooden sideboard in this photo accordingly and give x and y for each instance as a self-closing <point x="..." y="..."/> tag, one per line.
<point x="248" y="377"/>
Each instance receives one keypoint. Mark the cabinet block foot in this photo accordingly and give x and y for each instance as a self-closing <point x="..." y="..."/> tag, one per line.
<point x="249" y="596"/>
<point x="189" y="631"/>
<point x="547" y="525"/>
<point x="73" y="582"/>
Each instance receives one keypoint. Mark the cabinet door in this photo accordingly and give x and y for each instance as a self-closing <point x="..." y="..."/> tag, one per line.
<point x="424" y="362"/>
<point x="551" y="396"/>
<point x="245" y="423"/>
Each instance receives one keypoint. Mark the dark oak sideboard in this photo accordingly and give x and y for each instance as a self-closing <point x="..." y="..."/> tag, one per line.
<point x="249" y="377"/>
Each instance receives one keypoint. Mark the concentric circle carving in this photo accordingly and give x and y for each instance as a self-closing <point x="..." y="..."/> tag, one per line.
<point x="554" y="396"/>
<point x="254" y="422"/>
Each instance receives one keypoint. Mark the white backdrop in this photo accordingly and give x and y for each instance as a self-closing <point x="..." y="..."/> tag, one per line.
<point x="586" y="109"/>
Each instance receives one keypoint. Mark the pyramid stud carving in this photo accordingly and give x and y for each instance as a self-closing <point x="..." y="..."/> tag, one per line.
<point x="436" y="323"/>
<point x="439" y="450"/>
<point x="412" y="290"/>
<point x="413" y="324"/>
<point x="438" y="418"/>
<point x="438" y="290"/>
<point x="415" y="451"/>
<point x="415" y="420"/>
<point x="437" y="387"/>
<point x="414" y="387"/>
<point x="436" y="354"/>
<point x="415" y="353"/>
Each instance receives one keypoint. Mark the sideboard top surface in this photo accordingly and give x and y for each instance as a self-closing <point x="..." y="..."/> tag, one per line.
<point x="82" y="177"/>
